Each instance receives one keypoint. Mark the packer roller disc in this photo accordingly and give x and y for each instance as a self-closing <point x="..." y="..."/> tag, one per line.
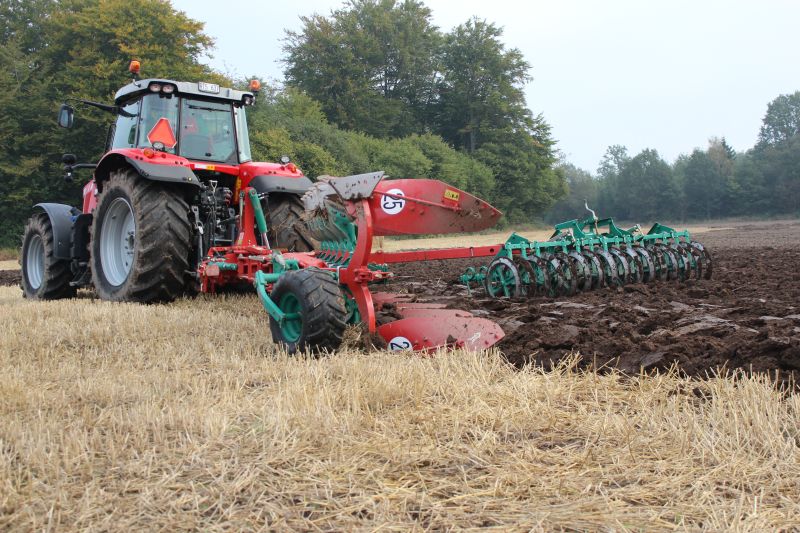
<point x="502" y="279"/>
<point x="596" y="267"/>
<point x="582" y="269"/>
<point x="536" y="270"/>
<point x="648" y="267"/>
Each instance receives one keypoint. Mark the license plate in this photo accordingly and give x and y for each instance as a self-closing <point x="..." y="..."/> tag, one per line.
<point x="208" y="87"/>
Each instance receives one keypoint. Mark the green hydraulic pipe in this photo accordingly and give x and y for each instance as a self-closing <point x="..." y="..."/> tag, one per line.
<point x="261" y="221"/>
<point x="224" y="266"/>
<point x="262" y="279"/>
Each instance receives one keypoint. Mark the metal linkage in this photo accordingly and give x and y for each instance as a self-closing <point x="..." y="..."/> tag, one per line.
<point x="588" y="254"/>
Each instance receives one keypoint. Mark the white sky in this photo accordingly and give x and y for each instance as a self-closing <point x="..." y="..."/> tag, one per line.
<point x="663" y="74"/>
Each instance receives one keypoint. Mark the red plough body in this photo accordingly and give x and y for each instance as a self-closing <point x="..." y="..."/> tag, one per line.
<point x="377" y="207"/>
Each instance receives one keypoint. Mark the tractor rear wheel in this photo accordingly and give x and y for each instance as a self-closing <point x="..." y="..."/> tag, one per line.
<point x="141" y="237"/>
<point x="316" y="314"/>
<point x="287" y="229"/>
<point x="43" y="276"/>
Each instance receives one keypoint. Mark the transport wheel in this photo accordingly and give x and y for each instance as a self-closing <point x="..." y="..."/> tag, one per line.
<point x="287" y="229"/>
<point x="43" y="276"/>
<point x="316" y="315"/>
<point x="141" y="237"/>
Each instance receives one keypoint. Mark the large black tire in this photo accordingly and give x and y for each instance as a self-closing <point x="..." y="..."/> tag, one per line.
<point x="316" y="297"/>
<point x="287" y="229"/>
<point x="43" y="276"/>
<point x="157" y="248"/>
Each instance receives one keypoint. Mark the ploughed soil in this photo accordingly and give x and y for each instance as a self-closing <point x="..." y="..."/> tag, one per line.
<point x="747" y="316"/>
<point x="10" y="277"/>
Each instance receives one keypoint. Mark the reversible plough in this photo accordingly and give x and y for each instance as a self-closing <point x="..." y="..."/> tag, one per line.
<point x="312" y="296"/>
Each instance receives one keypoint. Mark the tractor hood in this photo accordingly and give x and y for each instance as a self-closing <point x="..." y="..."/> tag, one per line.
<point x="187" y="88"/>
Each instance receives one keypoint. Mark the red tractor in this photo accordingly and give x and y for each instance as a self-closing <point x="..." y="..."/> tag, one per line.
<point x="161" y="196"/>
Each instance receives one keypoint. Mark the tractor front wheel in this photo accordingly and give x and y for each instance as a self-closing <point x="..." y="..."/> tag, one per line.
<point x="43" y="276"/>
<point x="316" y="316"/>
<point x="141" y="238"/>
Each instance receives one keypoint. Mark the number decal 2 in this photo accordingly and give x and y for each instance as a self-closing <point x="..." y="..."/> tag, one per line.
<point x="400" y="343"/>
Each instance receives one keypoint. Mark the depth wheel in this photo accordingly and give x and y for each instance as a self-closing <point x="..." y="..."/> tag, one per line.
<point x="43" y="276"/>
<point x="141" y="239"/>
<point x="316" y="315"/>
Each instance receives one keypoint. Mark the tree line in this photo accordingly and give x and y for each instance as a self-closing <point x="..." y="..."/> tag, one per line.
<point x="708" y="183"/>
<point x="374" y="86"/>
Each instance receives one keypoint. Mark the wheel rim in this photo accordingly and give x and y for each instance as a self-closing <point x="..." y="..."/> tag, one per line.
<point x="117" y="242"/>
<point x="34" y="262"/>
<point x="292" y="325"/>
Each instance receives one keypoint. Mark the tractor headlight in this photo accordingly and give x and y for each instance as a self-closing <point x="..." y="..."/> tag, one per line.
<point x="248" y="100"/>
<point x="155" y="87"/>
<point x="167" y="88"/>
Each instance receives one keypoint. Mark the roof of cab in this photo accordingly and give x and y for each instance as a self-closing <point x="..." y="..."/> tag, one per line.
<point x="137" y="88"/>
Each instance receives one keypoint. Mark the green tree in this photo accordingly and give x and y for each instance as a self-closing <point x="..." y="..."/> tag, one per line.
<point x="53" y="50"/>
<point x="482" y="84"/>
<point x="611" y="165"/>
<point x="704" y="186"/>
<point x="780" y="169"/>
<point x="582" y="188"/>
<point x="647" y="189"/>
<point x="371" y="65"/>
<point x="782" y="120"/>
<point x="526" y="180"/>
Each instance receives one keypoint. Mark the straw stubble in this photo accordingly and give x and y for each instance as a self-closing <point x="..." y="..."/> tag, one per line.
<point x="178" y="417"/>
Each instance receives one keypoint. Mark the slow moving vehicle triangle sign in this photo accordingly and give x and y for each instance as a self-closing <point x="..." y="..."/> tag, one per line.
<point x="162" y="132"/>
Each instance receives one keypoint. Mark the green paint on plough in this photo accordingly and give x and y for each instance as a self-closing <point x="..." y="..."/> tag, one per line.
<point x="588" y="254"/>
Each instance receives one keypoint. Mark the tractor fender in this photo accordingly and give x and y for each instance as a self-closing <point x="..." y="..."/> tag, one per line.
<point x="62" y="218"/>
<point x="270" y="184"/>
<point x="170" y="173"/>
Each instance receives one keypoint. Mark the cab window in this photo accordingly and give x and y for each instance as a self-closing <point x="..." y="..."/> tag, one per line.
<point x="154" y="108"/>
<point x="125" y="129"/>
<point x="207" y="131"/>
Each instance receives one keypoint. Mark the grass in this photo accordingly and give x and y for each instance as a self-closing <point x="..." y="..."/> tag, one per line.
<point x="9" y="254"/>
<point x="185" y="417"/>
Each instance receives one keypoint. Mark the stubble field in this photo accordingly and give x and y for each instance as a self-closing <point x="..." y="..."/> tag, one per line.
<point x="185" y="416"/>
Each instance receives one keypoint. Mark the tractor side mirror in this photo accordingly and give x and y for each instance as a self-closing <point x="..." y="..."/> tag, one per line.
<point x="66" y="115"/>
<point x="69" y="159"/>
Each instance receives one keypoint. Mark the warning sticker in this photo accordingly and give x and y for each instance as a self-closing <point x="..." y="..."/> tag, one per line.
<point x="450" y="194"/>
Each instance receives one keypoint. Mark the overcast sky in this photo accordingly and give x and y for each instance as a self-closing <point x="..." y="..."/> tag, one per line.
<point x="663" y="74"/>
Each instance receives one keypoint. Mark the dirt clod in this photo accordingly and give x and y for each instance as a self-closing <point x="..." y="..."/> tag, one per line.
<point x="10" y="277"/>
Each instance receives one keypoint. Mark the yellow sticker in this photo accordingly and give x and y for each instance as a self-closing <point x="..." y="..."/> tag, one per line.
<point x="211" y="167"/>
<point x="451" y="195"/>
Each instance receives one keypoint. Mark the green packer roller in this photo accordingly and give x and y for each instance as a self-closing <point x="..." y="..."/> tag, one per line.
<point x="589" y="254"/>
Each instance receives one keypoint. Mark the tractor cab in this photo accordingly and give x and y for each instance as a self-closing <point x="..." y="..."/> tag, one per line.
<point x="198" y="121"/>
